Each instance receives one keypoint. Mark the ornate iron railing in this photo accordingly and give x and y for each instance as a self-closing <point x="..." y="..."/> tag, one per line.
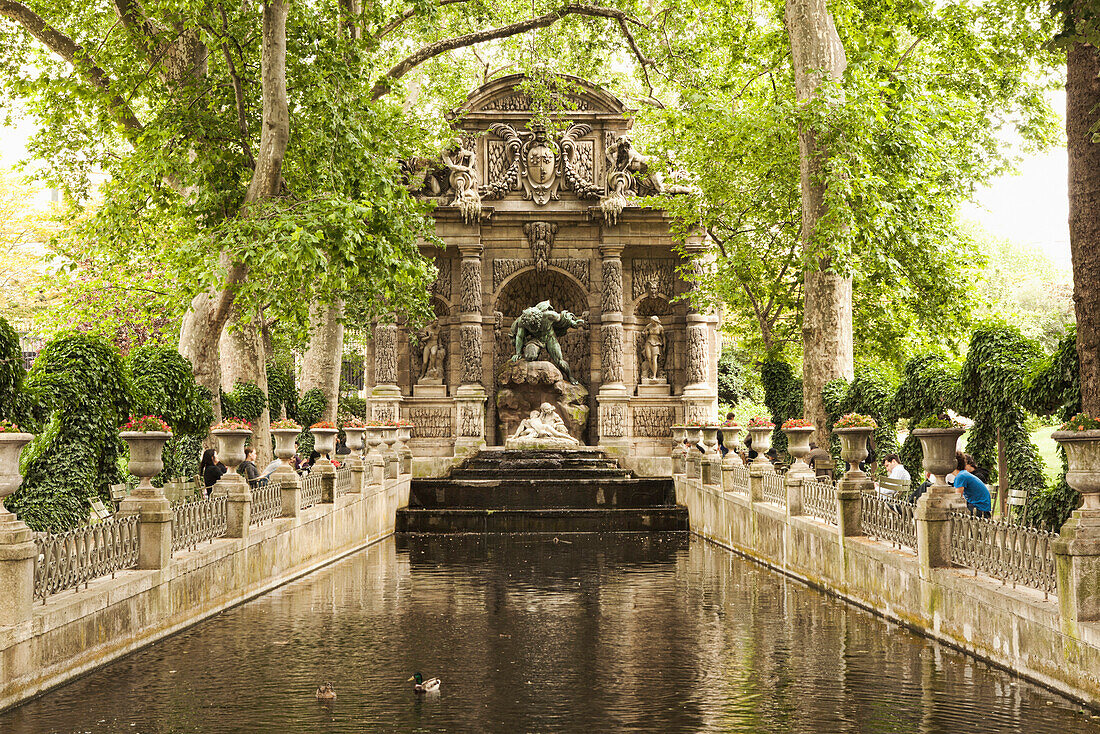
<point x="343" y="481"/>
<point x="739" y="478"/>
<point x="267" y="502"/>
<point x="197" y="521"/>
<point x="311" y="490"/>
<point x="819" y="500"/>
<point x="1014" y="554"/>
<point x="774" y="489"/>
<point x="889" y="519"/>
<point x="67" y="560"/>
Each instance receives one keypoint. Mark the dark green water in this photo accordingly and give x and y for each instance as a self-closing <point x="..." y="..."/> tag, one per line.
<point x="601" y="633"/>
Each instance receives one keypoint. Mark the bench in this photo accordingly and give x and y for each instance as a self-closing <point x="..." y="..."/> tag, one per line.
<point x="893" y="487"/>
<point x="99" y="511"/>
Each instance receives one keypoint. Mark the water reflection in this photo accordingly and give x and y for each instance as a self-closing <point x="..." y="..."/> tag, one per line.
<point x="612" y="633"/>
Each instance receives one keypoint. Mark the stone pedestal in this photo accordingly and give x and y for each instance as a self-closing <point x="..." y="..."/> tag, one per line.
<point x="154" y="513"/>
<point x="1077" y="553"/>
<point x="385" y="403"/>
<point x="238" y="510"/>
<point x="650" y="387"/>
<point x="756" y="480"/>
<point x="932" y="516"/>
<point x="793" y="483"/>
<point x="328" y="487"/>
<point x="290" y="490"/>
<point x="429" y="387"/>
<point x="712" y="469"/>
<point x="470" y="407"/>
<point x="17" y="556"/>
<point x="613" y="425"/>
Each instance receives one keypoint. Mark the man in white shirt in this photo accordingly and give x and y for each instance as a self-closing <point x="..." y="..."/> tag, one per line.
<point x="895" y="469"/>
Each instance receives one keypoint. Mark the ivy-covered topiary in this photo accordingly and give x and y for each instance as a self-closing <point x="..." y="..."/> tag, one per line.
<point x="929" y="387"/>
<point x="246" y="401"/>
<point x="16" y="401"/>
<point x="991" y="393"/>
<point x="870" y="393"/>
<point x="310" y="407"/>
<point x="282" y="395"/>
<point x="88" y="393"/>
<point x="782" y="395"/>
<point x="351" y="406"/>
<point x="731" y="379"/>
<point x="165" y="385"/>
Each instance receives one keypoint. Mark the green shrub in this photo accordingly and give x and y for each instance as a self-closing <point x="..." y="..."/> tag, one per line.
<point x="782" y="395"/>
<point x="282" y="395"/>
<point x="87" y="391"/>
<point x="246" y="401"/>
<point x="928" y="388"/>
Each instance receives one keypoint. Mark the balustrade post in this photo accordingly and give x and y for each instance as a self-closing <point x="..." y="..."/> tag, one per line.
<point x="328" y="487"/>
<point x="794" y="493"/>
<point x="932" y="514"/>
<point x="238" y="509"/>
<point x="290" y="490"/>
<point x="756" y="480"/>
<point x="152" y="508"/>
<point x="17" y="555"/>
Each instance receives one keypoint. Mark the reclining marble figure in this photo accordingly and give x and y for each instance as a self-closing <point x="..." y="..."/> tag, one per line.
<point x="542" y="424"/>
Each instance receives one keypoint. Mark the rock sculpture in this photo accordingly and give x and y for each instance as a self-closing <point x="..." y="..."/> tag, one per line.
<point x="432" y="353"/>
<point x="525" y="386"/>
<point x="539" y="327"/>
<point x="654" y="343"/>
<point x="542" y="428"/>
<point x="463" y="180"/>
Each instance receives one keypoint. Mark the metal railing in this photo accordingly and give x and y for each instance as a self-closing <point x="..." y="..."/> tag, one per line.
<point x="819" y="500"/>
<point x="775" y="489"/>
<point x="889" y="519"/>
<point x="311" y="490"/>
<point x="67" y="560"/>
<point x="267" y="502"/>
<point x="1012" y="553"/>
<point x="197" y="521"/>
<point x="343" y="481"/>
<point x="739" y="478"/>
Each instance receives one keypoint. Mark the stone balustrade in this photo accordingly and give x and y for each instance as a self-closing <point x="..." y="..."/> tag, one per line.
<point x="223" y="550"/>
<point x="998" y="596"/>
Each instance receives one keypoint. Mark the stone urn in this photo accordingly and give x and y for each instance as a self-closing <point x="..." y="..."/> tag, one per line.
<point x="710" y="439"/>
<point x="389" y="437"/>
<point x="730" y="438"/>
<point x="231" y="447"/>
<point x="355" y="443"/>
<point x="404" y="435"/>
<point x="373" y="440"/>
<point x="679" y="434"/>
<point x="324" y="443"/>
<point x="11" y="445"/>
<point x="146" y="457"/>
<point x="939" y="447"/>
<point x="694" y="435"/>
<point x="1083" y="455"/>
<point x="284" y="442"/>
<point x="761" y="443"/>
<point x="853" y="448"/>
<point x="798" y="446"/>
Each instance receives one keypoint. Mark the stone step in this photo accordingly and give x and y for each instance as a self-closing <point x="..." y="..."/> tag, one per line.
<point x="594" y="473"/>
<point x="656" y="519"/>
<point x="547" y="492"/>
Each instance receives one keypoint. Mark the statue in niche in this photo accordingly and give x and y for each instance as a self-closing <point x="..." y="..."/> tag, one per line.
<point x="654" y="343"/>
<point x="539" y="327"/>
<point x="540" y="426"/>
<point x="432" y="353"/>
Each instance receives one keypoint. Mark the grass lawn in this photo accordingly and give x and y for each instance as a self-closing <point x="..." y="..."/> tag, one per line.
<point x="1048" y="450"/>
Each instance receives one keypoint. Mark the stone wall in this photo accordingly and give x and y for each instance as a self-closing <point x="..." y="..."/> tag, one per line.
<point x="75" y="631"/>
<point x="1016" y="628"/>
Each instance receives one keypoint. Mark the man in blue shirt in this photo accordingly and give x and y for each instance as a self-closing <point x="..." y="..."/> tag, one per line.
<point x="974" y="490"/>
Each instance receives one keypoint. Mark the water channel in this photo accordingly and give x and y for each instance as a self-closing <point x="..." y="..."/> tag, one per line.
<point x="616" y="633"/>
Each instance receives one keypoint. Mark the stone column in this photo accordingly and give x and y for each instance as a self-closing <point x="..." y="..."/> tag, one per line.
<point x="385" y="404"/>
<point x="470" y="395"/>
<point x="700" y="366"/>
<point x="756" y="480"/>
<point x="328" y="487"/>
<point x="849" y="499"/>
<point x="613" y="396"/>
<point x="154" y="513"/>
<point x="1077" y="554"/>
<point x="238" y="510"/>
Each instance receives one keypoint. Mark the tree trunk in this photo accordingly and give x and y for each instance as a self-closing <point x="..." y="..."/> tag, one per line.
<point x="244" y="359"/>
<point x="816" y="53"/>
<point x="322" y="361"/>
<point x="1082" y="100"/>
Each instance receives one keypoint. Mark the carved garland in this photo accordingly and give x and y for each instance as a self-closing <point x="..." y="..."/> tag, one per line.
<point x="612" y="352"/>
<point x="613" y="420"/>
<point x="432" y="422"/>
<point x="505" y="266"/>
<point x="697" y="355"/>
<point x="471" y="285"/>
<point x="470" y="337"/>
<point x="612" y="286"/>
<point x="385" y="354"/>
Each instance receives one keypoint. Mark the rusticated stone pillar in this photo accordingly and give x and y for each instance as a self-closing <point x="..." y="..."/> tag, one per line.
<point x="470" y="395"/>
<point x="700" y="367"/>
<point x="385" y="404"/>
<point x="613" y="397"/>
<point x="17" y="555"/>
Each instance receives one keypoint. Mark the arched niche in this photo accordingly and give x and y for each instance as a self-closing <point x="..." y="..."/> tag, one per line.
<point x="527" y="288"/>
<point x="645" y="307"/>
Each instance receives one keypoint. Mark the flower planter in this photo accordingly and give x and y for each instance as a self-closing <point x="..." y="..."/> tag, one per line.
<point x="679" y="434"/>
<point x="710" y="439"/>
<point x="324" y="440"/>
<point x="798" y="446"/>
<point x="731" y="436"/>
<point x="1083" y="455"/>
<point x="355" y="439"/>
<point x="938" y="445"/>
<point x="231" y="447"/>
<point x="761" y="442"/>
<point x="284" y="442"/>
<point x="146" y="456"/>
<point x="11" y="445"/>
<point x="853" y="448"/>
<point x="404" y="435"/>
<point x="694" y="434"/>
<point x="374" y="441"/>
<point x="389" y="437"/>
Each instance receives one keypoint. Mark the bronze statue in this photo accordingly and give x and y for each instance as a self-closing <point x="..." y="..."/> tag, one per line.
<point x="540" y="326"/>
